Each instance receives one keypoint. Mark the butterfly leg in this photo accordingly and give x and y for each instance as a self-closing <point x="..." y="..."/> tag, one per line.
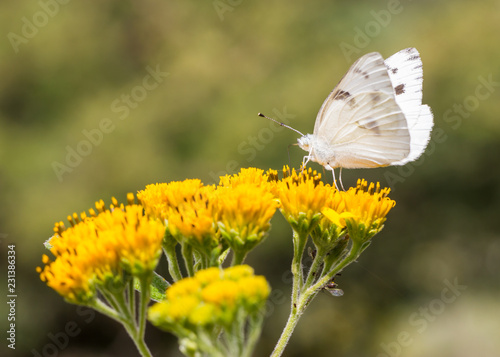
<point x="328" y="167"/>
<point x="305" y="160"/>
<point x="340" y="179"/>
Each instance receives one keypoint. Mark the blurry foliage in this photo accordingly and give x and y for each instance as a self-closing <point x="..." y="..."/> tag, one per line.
<point x="262" y="56"/>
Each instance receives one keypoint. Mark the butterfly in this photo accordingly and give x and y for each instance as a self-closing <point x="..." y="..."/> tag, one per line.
<point x="374" y="117"/>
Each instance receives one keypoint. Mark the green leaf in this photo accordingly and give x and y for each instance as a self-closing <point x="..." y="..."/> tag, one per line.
<point x="158" y="287"/>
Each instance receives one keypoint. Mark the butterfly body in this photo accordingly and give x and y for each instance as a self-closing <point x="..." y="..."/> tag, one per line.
<point x="374" y="117"/>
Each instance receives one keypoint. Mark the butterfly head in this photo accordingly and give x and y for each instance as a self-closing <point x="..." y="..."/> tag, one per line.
<point x="305" y="142"/>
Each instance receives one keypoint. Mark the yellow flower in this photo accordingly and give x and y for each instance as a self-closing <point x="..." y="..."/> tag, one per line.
<point x="160" y="198"/>
<point x="169" y="313"/>
<point x="302" y="196"/>
<point x="208" y="276"/>
<point x="249" y="175"/>
<point x="98" y="247"/>
<point x="212" y="296"/>
<point x="334" y="217"/>
<point x="72" y="280"/>
<point x="187" y="207"/>
<point x="245" y="206"/>
<point x="330" y="229"/>
<point x="366" y="208"/>
<point x="184" y="287"/>
<point x="244" y="214"/>
<point x="223" y="292"/>
<point x="254" y="290"/>
<point x="202" y="315"/>
<point x="238" y="271"/>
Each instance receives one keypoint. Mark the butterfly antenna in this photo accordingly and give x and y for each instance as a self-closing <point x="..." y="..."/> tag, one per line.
<point x="280" y="123"/>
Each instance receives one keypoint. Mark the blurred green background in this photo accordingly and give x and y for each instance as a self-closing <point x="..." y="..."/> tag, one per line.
<point x="70" y="68"/>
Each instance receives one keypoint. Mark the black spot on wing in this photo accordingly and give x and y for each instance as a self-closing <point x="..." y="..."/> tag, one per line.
<point x="345" y="96"/>
<point x="393" y="70"/>
<point x="363" y="73"/>
<point x="400" y="89"/>
<point x="342" y="95"/>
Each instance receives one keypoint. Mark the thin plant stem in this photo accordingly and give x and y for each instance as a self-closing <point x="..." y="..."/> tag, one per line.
<point x="173" y="264"/>
<point x="287" y="332"/>
<point x="187" y="255"/>
<point x="124" y="312"/>
<point x="253" y="335"/>
<point x="299" y="243"/>
<point x="131" y="298"/>
<point x="307" y="296"/>
<point x="143" y="305"/>
<point x="238" y="257"/>
<point x="104" y="309"/>
<point x="315" y="267"/>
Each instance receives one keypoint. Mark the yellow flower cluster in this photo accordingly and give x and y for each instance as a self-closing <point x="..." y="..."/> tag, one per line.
<point x="365" y="210"/>
<point x="240" y="208"/>
<point x="212" y="297"/>
<point x="99" y="247"/>
<point x="307" y="203"/>
<point x="245" y="207"/>
<point x="187" y="207"/>
<point x="302" y="196"/>
<point x="234" y="214"/>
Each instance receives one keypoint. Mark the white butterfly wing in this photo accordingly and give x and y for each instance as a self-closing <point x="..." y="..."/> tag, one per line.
<point x="405" y="72"/>
<point x="420" y="134"/>
<point x="360" y="121"/>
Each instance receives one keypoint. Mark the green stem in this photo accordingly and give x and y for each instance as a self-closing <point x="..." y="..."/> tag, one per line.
<point x="173" y="264"/>
<point x="206" y="343"/>
<point x="143" y="349"/>
<point x="315" y="267"/>
<point x="233" y="339"/>
<point x="125" y="312"/>
<point x="131" y="298"/>
<point x="299" y="243"/>
<point x="104" y="309"/>
<point x="307" y="296"/>
<point x="187" y="254"/>
<point x="238" y="257"/>
<point x="255" y="326"/>
<point x="205" y="261"/>
<point x="112" y="300"/>
<point x="352" y="256"/>
<point x="143" y="305"/>
<point x="293" y="319"/>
